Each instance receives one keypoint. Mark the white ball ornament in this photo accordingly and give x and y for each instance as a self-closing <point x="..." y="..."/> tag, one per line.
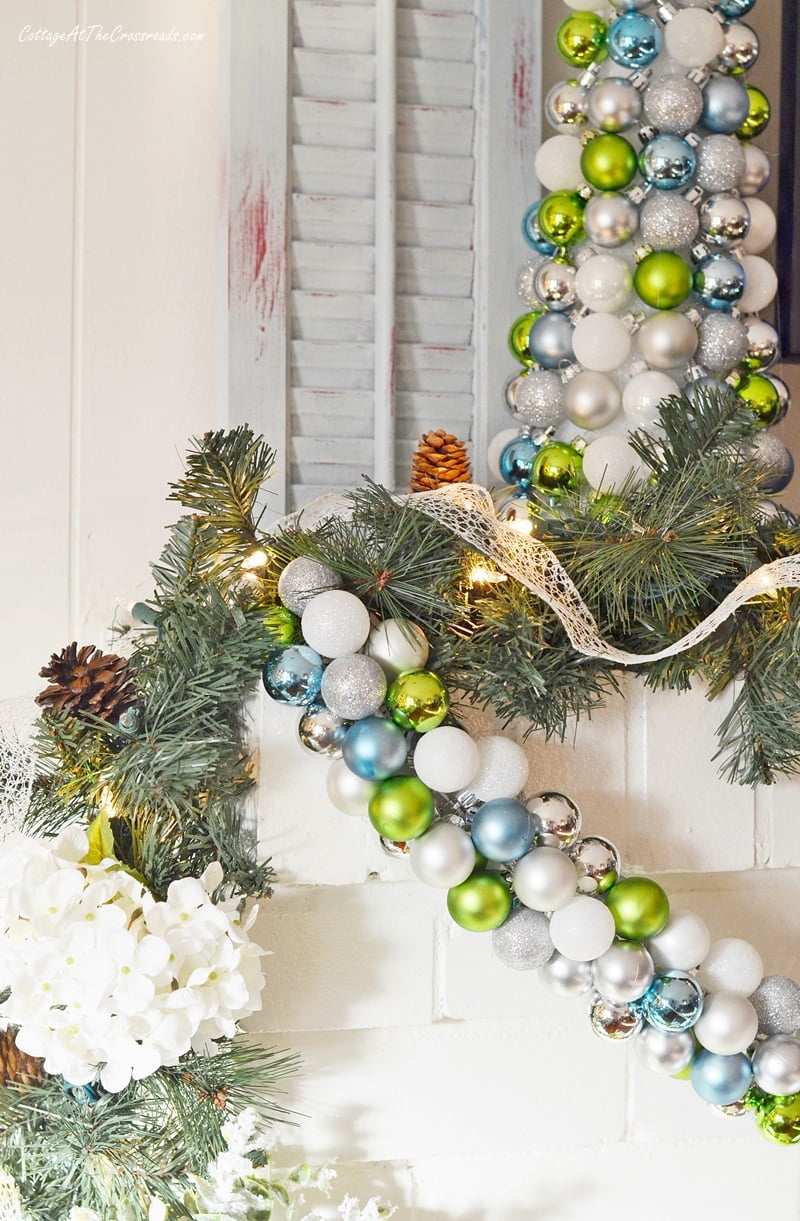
<point x="693" y="38"/>
<point x="446" y="759"/>
<point x="682" y="944"/>
<point x="583" y="929"/>
<point x="732" y="965"/>
<point x="642" y="397"/>
<point x="757" y="170"/>
<point x="601" y="342"/>
<point x="763" y="227"/>
<point x="544" y="879"/>
<point x="558" y="163"/>
<point x="335" y="623"/>
<point x="604" y="283"/>
<point x="495" y="448"/>
<point x="502" y="770"/>
<point x="444" y="856"/>
<point x="727" y="1025"/>
<point x="761" y="284"/>
<point x="609" y="462"/>
<point x="347" y="791"/>
<point x="398" y="645"/>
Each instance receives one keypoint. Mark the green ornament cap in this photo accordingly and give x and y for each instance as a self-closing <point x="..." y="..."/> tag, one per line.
<point x="557" y="468"/>
<point x="560" y="217"/>
<point x="608" y="163"/>
<point x="761" y="396"/>
<point x="401" y="808"/>
<point x="758" y="116"/>
<point x="640" y="908"/>
<point x="519" y="337"/>
<point x="283" y="628"/>
<point x="581" y="39"/>
<point x="481" y="903"/>
<point x="663" y="280"/>
<point x="418" y="700"/>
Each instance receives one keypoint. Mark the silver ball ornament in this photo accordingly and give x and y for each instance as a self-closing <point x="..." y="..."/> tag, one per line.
<point x="723" y="343"/>
<point x="667" y="339"/>
<point x="720" y="163"/>
<point x="444" y="856"/>
<point x="763" y="344"/>
<point x="565" y="976"/>
<point x="321" y="731"/>
<point x="554" y="285"/>
<point x="776" y="1000"/>
<point x="614" y="104"/>
<point x="668" y="221"/>
<point x="664" y="1052"/>
<point x="560" y="818"/>
<point x="774" y="462"/>
<point x="302" y="579"/>
<point x="724" y="220"/>
<point x="523" y="941"/>
<point x="598" y="864"/>
<point x="739" y="50"/>
<point x="354" y="686"/>
<point x="565" y="105"/>
<point x="757" y="170"/>
<point x="615" y="1022"/>
<point x="592" y="400"/>
<point x="776" y="1065"/>
<point x="610" y="219"/>
<point x="539" y="398"/>
<point x="673" y="104"/>
<point x="623" y="973"/>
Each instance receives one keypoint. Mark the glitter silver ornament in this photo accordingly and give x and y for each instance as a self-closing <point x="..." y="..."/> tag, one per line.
<point x="526" y="277"/>
<point x="776" y="1064"/>
<point x="539" y="398"/>
<point x="523" y="941"/>
<point x="615" y="1022"/>
<point x="664" y="1052"/>
<point x="559" y="816"/>
<point x="302" y="579"/>
<point x="757" y="170"/>
<point x="774" y="462"/>
<point x="776" y="1000"/>
<point x="610" y="219"/>
<point x="592" y="400"/>
<point x="321" y="731"/>
<point x="623" y="973"/>
<point x="598" y="864"/>
<point x="723" y="343"/>
<point x="614" y="104"/>
<point x="720" y="163"/>
<point x="668" y="221"/>
<point x="763" y="344"/>
<point x="740" y="49"/>
<point x="554" y="284"/>
<point x="673" y="104"/>
<point x="512" y="390"/>
<point x="354" y="686"/>
<point x="724" y="220"/>
<point x="565" y="105"/>
<point x="565" y="976"/>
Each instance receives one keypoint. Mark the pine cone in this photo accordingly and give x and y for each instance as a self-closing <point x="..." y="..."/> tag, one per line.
<point x="86" y="680"/>
<point x="16" y="1068"/>
<point x="440" y="458"/>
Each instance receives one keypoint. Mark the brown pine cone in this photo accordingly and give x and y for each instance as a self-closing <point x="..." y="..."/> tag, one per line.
<point x="86" y="680"/>
<point x="440" y="458"/>
<point x="16" y="1068"/>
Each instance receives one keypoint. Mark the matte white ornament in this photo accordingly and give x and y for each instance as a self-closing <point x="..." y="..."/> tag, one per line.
<point x="347" y="791"/>
<point x="601" y="342"/>
<point x="609" y="462"/>
<point x="444" y="856"/>
<point x="757" y="170"/>
<point x="503" y="769"/>
<point x="544" y="879"/>
<point x="683" y="942"/>
<point x="693" y="38"/>
<point x="557" y="164"/>
<point x="604" y="283"/>
<point x="763" y="227"/>
<point x="583" y="929"/>
<point x="642" y="396"/>
<point x="446" y="759"/>
<point x="398" y="645"/>
<point x="761" y="284"/>
<point x="495" y="448"/>
<point x="732" y="965"/>
<point x="335" y="623"/>
<point x="727" y="1025"/>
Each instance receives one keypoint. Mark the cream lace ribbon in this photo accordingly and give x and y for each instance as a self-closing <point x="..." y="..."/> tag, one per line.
<point x="468" y="511"/>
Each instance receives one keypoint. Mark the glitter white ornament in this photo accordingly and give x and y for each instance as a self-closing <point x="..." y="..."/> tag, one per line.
<point x="446" y="759"/>
<point x="503" y="768"/>
<point x="539" y="399"/>
<point x="335" y="622"/>
<point x="557" y="164"/>
<point x="693" y="38"/>
<point x="731" y="965"/>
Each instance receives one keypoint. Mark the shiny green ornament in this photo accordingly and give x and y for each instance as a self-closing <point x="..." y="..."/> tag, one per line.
<point x="560" y="217"/>
<point x="418" y="700"/>
<point x="640" y="908"/>
<point x="481" y="903"/>
<point x="761" y="396"/>
<point x="758" y="115"/>
<point x="401" y="808"/>
<point x="557" y="468"/>
<point x="608" y="163"/>
<point x="779" y="1119"/>
<point x="663" y="280"/>
<point x="519" y="337"/>
<point x="283" y="628"/>
<point x="581" y="39"/>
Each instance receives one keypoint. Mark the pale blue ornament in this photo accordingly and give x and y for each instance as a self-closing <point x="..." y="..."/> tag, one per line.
<point x="734" y="8"/>
<point x="532" y="233"/>
<point x="550" y="340"/>
<point x="719" y="281"/>
<point x="674" y="1001"/>
<point x="504" y="829"/>
<point x="668" y="162"/>
<point x="374" y="748"/>
<point x="293" y="675"/>
<point x="517" y="459"/>
<point x="634" y="40"/>
<point x="726" y="104"/>
<point x="721" y="1080"/>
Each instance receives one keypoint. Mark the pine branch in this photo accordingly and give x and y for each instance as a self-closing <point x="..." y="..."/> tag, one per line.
<point x="714" y="421"/>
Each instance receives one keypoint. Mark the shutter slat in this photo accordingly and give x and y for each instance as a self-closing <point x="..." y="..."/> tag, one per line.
<point x="442" y="272"/>
<point x="339" y="27"/>
<point x="435" y="82"/>
<point x="333" y="75"/>
<point x="344" y="366"/>
<point x="324" y="171"/>
<point x="443" y="368"/>
<point x="445" y="226"/>
<point x="334" y="316"/>
<point x="332" y="268"/>
<point x="444" y="130"/>
<point x="435" y="35"/>
<point x="441" y="320"/>
<point x="332" y="218"/>
<point x="340" y="124"/>
<point x="435" y="179"/>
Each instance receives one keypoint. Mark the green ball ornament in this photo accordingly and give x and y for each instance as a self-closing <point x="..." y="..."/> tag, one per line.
<point x="401" y="808"/>
<point x="761" y="396"/>
<point x="480" y="904"/>
<point x="557" y="468"/>
<point x="779" y="1119"/>
<point x="758" y="115"/>
<point x="640" y="908"/>
<point x="283" y="628"/>
<point x="418" y="700"/>
<point x="663" y="280"/>
<point x="608" y="163"/>
<point x="581" y="39"/>
<point x="560" y="217"/>
<point x="519" y="337"/>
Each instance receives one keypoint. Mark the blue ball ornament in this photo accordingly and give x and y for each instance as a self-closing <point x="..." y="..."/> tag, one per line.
<point x="734" y="9"/>
<point x="550" y="340"/>
<point x="668" y="162"/>
<point x="673" y="1002"/>
<point x="634" y="40"/>
<point x="533" y="234"/>
<point x="504" y="829"/>
<point x="293" y="675"/>
<point x="726" y="104"/>
<point x="374" y="748"/>
<point x="721" y="1080"/>
<point x="719" y="280"/>
<point x="516" y="461"/>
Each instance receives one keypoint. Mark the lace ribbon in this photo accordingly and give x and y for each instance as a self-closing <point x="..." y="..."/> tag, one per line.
<point x="468" y="511"/>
